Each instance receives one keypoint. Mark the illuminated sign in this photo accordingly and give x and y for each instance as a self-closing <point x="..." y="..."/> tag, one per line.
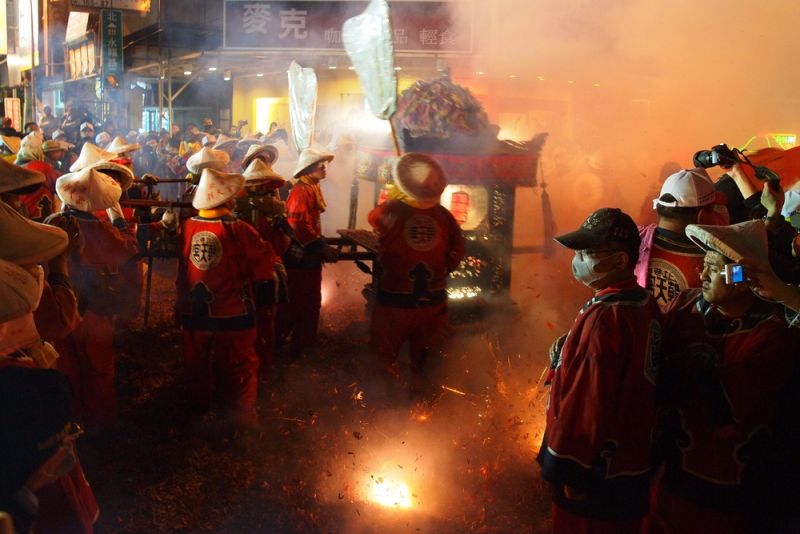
<point x="111" y="44"/>
<point x="418" y="26"/>
<point x="786" y="140"/>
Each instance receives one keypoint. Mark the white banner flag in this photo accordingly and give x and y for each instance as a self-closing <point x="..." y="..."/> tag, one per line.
<point x="367" y="39"/>
<point x="302" y="104"/>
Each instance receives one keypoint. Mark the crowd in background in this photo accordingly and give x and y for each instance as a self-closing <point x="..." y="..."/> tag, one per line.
<point x="671" y="402"/>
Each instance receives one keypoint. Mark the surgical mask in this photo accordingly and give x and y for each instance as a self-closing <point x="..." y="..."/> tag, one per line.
<point x="584" y="266"/>
<point x="583" y="269"/>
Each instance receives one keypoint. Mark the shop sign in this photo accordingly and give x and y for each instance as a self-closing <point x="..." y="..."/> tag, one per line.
<point x="140" y="6"/>
<point x="111" y="44"/>
<point x="418" y="26"/>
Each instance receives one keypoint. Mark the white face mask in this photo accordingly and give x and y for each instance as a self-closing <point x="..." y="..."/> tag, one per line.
<point x="584" y="266"/>
<point x="583" y="269"/>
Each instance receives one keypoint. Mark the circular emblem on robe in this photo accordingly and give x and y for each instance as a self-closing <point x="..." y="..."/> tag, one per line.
<point x="422" y="233"/>
<point x="206" y="250"/>
<point x="666" y="281"/>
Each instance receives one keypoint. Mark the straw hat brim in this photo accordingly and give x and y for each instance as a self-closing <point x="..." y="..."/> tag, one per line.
<point x="735" y="241"/>
<point x="254" y="153"/>
<point x="122" y="174"/>
<point x="26" y="242"/>
<point x="309" y="160"/>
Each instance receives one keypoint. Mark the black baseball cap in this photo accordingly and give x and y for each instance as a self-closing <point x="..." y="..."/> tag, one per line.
<point x="604" y="226"/>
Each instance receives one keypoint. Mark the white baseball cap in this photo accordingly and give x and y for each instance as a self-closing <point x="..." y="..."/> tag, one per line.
<point x="688" y="188"/>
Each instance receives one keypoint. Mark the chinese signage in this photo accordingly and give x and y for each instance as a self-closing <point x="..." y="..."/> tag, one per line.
<point x="14" y="110"/>
<point x="259" y="24"/>
<point x="111" y="43"/>
<point x="141" y="6"/>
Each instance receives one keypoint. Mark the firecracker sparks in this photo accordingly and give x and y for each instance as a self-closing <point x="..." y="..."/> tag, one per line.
<point x="454" y="390"/>
<point x="390" y="493"/>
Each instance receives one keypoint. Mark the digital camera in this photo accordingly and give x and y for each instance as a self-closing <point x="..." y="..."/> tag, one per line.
<point x="733" y="273"/>
<point x="718" y="155"/>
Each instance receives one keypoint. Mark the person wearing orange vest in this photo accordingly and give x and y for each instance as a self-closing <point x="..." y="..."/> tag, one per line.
<point x="420" y="244"/>
<point x="221" y="258"/>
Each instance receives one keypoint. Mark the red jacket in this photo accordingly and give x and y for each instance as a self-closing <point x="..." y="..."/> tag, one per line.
<point x="40" y="204"/>
<point x="601" y="409"/>
<point x="724" y="383"/>
<point x="221" y="258"/>
<point x="418" y="249"/>
<point x="303" y="213"/>
<point x="99" y="252"/>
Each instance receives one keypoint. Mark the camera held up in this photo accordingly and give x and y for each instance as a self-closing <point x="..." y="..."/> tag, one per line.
<point x="718" y="155"/>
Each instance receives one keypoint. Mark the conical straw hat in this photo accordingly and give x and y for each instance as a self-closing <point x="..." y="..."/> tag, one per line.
<point x="90" y="154"/>
<point x="207" y="158"/>
<point x="88" y="190"/>
<point x="26" y="242"/>
<point x="258" y="173"/>
<point x="216" y="188"/>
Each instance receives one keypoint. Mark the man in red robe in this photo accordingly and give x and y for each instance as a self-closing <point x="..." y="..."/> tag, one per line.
<point x="596" y="452"/>
<point x="420" y="244"/>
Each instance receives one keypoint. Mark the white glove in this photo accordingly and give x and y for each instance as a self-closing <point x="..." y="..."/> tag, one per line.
<point x="115" y="212"/>
<point x="169" y="220"/>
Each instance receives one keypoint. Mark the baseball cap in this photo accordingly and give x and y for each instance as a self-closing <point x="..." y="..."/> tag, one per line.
<point x="87" y="126"/>
<point x="687" y="188"/>
<point x="601" y="227"/>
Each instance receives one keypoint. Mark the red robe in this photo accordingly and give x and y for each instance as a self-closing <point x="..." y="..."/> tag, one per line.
<point x="300" y="316"/>
<point x="724" y="383"/>
<point x="418" y="249"/>
<point x="41" y="203"/>
<point x="221" y="259"/>
<point x="601" y="409"/>
<point x="87" y="354"/>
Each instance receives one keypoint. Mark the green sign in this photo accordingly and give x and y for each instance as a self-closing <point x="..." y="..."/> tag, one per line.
<point x="111" y="44"/>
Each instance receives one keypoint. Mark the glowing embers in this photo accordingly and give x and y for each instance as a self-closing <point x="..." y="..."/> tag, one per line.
<point x="389" y="492"/>
<point x="460" y="293"/>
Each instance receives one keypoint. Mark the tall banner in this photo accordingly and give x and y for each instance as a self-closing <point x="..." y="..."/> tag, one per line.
<point x="302" y="104"/>
<point x="111" y="43"/>
<point x="367" y="38"/>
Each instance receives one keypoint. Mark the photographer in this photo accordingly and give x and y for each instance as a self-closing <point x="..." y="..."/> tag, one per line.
<point x="725" y="376"/>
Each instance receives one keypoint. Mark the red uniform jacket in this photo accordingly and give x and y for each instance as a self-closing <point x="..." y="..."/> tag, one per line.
<point x="418" y="249"/>
<point x="221" y="258"/>
<point x="601" y="409"/>
<point x="40" y="204"/>
<point x="724" y="380"/>
<point x="100" y="250"/>
<point x="303" y="213"/>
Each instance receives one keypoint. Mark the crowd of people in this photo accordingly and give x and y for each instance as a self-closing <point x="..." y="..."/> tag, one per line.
<point x="671" y="396"/>
<point x="249" y="279"/>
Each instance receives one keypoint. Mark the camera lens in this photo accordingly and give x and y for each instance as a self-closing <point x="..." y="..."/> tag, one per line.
<point x="704" y="159"/>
